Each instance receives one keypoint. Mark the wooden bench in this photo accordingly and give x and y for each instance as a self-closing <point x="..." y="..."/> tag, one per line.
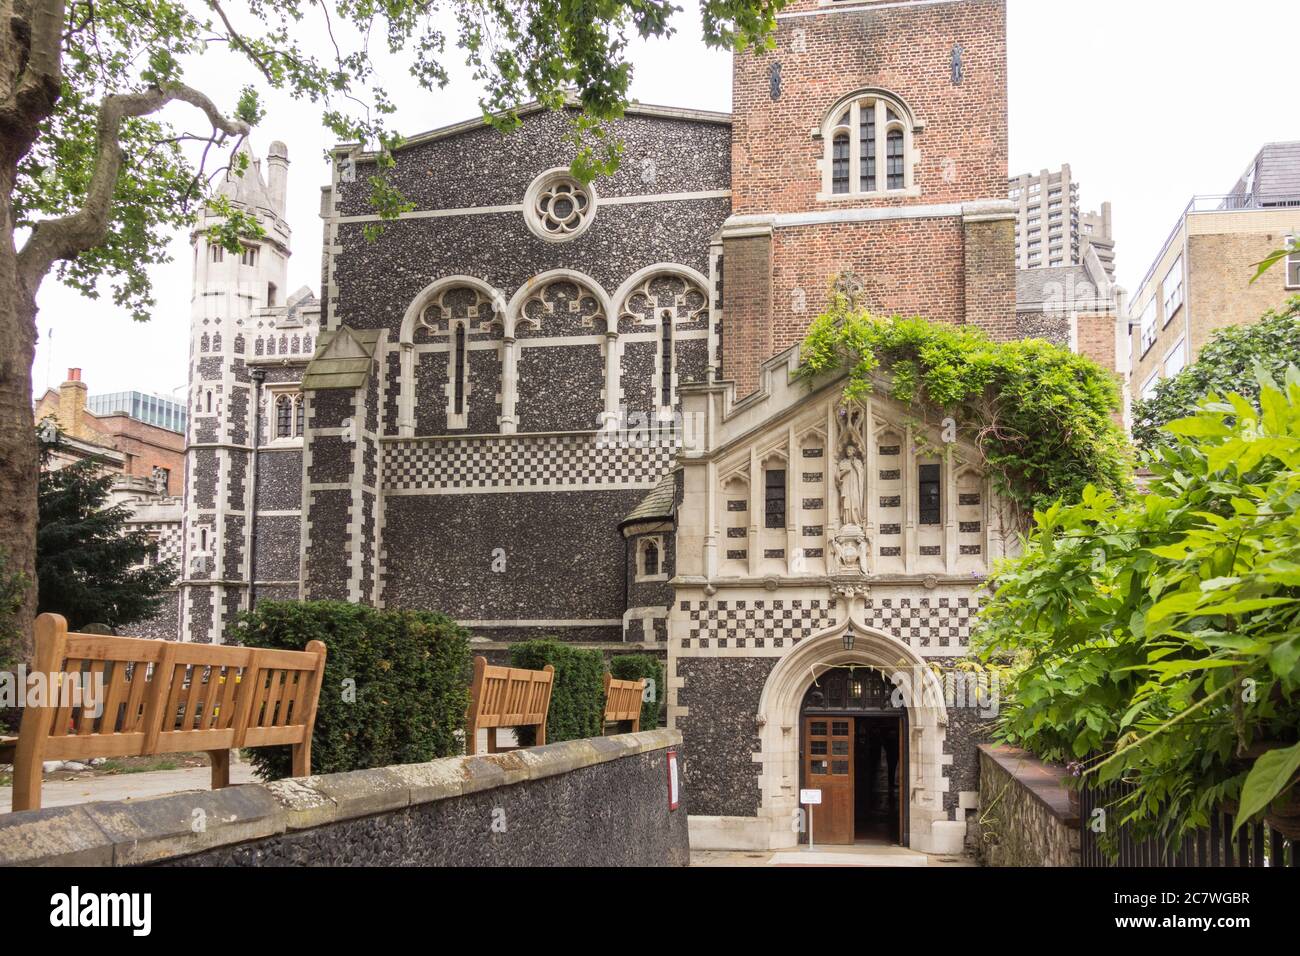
<point x="161" y="697"/>
<point x="506" y="697"/>
<point x="623" y="701"/>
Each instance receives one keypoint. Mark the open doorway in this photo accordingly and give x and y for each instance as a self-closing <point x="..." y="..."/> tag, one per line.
<point x="853" y="749"/>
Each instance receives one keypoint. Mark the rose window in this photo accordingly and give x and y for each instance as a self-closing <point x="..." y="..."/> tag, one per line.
<point x="558" y="207"/>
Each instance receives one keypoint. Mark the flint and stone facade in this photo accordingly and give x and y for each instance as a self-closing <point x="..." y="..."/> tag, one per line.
<point x="556" y="409"/>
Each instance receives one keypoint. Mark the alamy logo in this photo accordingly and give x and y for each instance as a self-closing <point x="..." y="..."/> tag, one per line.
<point x="102" y="909"/>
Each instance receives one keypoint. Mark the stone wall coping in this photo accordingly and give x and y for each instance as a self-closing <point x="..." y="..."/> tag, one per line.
<point x="133" y="832"/>
<point x="1045" y="781"/>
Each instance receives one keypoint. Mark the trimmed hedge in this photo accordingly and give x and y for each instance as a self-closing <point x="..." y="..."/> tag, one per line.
<point x="635" y="667"/>
<point x="578" y="694"/>
<point x="396" y="683"/>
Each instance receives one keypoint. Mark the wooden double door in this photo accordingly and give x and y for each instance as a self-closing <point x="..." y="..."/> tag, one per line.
<point x="858" y="763"/>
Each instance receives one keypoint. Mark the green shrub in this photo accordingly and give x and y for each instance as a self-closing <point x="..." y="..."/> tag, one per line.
<point x="634" y="667"/>
<point x="578" y="696"/>
<point x="396" y="683"/>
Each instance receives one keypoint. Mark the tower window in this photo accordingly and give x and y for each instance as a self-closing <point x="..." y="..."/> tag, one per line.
<point x="289" y="415"/>
<point x="666" y="359"/>
<point x="867" y="140"/>
<point x="929" y="494"/>
<point x="218" y="253"/>
<point x="840" y="175"/>
<point x="248" y="256"/>
<point x="856" y="138"/>
<point x="284" y="417"/>
<point x="775" y="498"/>
<point x="894" y="155"/>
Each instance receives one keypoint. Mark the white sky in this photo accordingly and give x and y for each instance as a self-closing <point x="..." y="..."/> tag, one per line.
<point x="1149" y="101"/>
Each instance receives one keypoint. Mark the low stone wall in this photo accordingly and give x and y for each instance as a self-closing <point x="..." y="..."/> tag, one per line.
<point x="602" y="801"/>
<point x="1026" y="817"/>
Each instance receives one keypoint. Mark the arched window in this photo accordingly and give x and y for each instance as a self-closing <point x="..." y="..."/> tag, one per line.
<point x="666" y="359"/>
<point x="459" y="398"/>
<point x="298" y="415"/>
<point x="284" y="417"/>
<point x="840" y="174"/>
<point x="858" y="135"/>
<point x="650" y="562"/>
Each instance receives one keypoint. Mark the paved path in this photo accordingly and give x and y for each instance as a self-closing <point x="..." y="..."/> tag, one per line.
<point x="825" y="856"/>
<point x="127" y="786"/>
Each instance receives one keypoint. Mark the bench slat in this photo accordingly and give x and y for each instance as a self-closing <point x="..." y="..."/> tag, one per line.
<point x="177" y="697"/>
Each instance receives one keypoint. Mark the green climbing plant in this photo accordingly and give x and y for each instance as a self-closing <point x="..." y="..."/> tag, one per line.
<point x="1042" y="417"/>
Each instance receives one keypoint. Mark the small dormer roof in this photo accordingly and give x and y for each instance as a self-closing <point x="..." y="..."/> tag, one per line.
<point x="342" y="360"/>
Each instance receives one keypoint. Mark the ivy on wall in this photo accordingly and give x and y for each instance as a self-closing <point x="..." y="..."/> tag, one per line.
<point x="1042" y="417"/>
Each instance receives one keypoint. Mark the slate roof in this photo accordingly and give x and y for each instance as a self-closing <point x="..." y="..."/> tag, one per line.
<point x="342" y="360"/>
<point x="1277" y="173"/>
<point x="660" y="503"/>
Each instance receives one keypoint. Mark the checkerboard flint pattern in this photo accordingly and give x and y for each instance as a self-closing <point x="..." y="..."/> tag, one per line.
<point x="919" y="622"/>
<point x="756" y="623"/>
<point x="521" y="462"/>
<point x="924" y="622"/>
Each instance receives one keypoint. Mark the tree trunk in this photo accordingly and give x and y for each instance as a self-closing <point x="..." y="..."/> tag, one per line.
<point x="19" y="463"/>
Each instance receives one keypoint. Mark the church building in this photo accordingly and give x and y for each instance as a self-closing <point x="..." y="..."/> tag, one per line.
<point x="557" y="409"/>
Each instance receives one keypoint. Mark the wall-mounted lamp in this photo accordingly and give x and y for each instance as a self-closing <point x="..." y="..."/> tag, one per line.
<point x="848" y="639"/>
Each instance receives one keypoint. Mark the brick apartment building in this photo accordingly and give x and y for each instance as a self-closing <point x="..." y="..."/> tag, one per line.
<point x="137" y="449"/>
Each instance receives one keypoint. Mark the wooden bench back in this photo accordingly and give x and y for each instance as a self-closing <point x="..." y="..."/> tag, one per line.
<point x="506" y="697"/>
<point x="163" y="697"/>
<point x="623" y="700"/>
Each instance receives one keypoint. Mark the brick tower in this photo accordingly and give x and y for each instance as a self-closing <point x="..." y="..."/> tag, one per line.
<point x="869" y="145"/>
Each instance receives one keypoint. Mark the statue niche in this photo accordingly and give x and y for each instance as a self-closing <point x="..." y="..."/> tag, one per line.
<point x="850" y="547"/>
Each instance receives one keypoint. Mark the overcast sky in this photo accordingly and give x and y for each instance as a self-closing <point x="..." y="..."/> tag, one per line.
<point x="1149" y="101"/>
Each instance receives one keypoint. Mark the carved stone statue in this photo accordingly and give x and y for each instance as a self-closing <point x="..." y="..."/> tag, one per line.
<point x="850" y="475"/>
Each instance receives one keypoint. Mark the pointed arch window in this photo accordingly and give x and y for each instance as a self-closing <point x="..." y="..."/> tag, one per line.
<point x="869" y="149"/>
<point x="289" y="415"/>
<point x="650" y="563"/>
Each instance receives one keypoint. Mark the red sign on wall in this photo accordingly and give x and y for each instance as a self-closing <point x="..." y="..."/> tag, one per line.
<point x="674" y="786"/>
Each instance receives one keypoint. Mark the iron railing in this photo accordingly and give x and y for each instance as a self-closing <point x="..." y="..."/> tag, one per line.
<point x="1255" y="845"/>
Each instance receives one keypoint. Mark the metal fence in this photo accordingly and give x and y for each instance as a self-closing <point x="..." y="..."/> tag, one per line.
<point x="1255" y="845"/>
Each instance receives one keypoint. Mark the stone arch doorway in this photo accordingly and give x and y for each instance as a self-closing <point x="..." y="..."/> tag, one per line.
<point x="922" y="783"/>
<point x="853" y="752"/>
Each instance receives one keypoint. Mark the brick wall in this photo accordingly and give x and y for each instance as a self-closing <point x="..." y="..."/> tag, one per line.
<point x="1096" y="337"/>
<point x="936" y="263"/>
<point x="747" y="304"/>
<point x="1220" y="292"/>
<point x="903" y="49"/>
<point x="989" y="276"/>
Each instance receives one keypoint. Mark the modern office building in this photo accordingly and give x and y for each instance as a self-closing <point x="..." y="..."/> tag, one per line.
<point x="143" y="407"/>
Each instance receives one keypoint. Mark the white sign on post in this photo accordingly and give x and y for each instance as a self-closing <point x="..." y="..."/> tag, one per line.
<point x="810" y="799"/>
